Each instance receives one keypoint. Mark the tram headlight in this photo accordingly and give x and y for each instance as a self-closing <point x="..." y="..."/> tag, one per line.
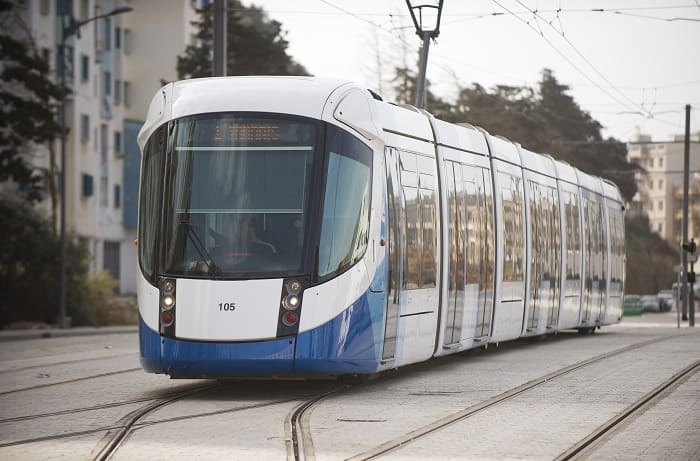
<point x="167" y="294"/>
<point x="290" y="302"/>
<point x="168" y="301"/>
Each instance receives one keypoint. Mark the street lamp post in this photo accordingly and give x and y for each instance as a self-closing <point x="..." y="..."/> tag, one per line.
<point x="426" y="19"/>
<point x="71" y="28"/>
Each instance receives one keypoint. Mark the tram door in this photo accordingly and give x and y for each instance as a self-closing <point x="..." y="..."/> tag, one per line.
<point x="470" y="253"/>
<point x="394" y="239"/>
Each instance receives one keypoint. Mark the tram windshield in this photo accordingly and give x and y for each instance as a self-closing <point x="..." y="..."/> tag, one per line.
<point x="238" y="195"/>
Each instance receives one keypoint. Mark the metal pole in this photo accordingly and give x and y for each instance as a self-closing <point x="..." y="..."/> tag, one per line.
<point x="219" y="38"/>
<point x="62" y="186"/>
<point x="420" y="92"/>
<point x="686" y="185"/>
<point x="691" y="298"/>
<point x="678" y="297"/>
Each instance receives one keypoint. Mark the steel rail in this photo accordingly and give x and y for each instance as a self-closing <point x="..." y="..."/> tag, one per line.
<point x="299" y="442"/>
<point x="68" y="381"/>
<point x="589" y="443"/>
<point x="493" y="401"/>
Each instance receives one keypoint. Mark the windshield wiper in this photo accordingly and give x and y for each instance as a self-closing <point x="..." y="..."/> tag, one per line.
<point x="212" y="267"/>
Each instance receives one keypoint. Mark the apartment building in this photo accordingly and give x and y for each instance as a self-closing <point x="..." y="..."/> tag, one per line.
<point x="113" y="67"/>
<point x="660" y="188"/>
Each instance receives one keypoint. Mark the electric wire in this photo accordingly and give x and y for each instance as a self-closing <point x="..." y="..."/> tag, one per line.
<point x="586" y="60"/>
<point x="567" y="59"/>
<point x="633" y="106"/>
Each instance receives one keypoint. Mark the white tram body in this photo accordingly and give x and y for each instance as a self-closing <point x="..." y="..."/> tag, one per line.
<point x="295" y="226"/>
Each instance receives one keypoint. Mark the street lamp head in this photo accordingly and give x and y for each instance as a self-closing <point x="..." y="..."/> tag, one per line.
<point x="426" y="16"/>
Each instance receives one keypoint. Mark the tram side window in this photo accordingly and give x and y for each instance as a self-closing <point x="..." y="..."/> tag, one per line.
<point x="537" y="244"/>
<point x="602" y="244"/>
<point x="616" y="250"/>
<point x="151" y="186"/>
<point x="513" y="241"/>
<point x="621" y="248"/>
<point x="345" y="221"/>
<point x="417" y="181"/>
<point x="573" y="237"/>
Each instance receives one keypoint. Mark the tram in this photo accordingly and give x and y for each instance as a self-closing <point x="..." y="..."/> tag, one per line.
<point x="300" y="226"/>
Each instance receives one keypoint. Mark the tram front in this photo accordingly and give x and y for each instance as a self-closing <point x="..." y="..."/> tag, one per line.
<point x="239" y="214"/>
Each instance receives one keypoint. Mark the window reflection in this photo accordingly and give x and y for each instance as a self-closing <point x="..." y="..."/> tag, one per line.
<point x="513" y="236"/>
<point x="346" y="203"/>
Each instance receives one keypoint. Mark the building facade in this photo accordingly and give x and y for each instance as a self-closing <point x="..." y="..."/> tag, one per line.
<point x="660" y="187"/>
<point x="113" y="67"/>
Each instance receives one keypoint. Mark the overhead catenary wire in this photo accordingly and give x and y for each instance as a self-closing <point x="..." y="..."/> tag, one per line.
<point x="627" y="103"/>
<point x="585" y="59"/>
<point x="567" y="59"/>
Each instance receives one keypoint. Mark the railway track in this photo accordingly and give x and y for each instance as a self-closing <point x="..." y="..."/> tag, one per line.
<point x="119" y="434"/>
<point x="589" y="443"/>
<point x="299" y="442"/>
<point x="436" y="426"/>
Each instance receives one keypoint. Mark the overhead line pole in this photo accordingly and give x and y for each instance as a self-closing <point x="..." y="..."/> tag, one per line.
<point x="219" y="64"/>
<point x="686" y="186"/>
<point x="427" y="24"/>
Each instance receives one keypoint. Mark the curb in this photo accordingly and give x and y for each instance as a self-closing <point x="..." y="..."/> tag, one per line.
<point x="21" y="335"/>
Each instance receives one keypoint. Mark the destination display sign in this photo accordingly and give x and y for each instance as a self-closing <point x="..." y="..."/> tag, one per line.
<point x="239" y="133"/>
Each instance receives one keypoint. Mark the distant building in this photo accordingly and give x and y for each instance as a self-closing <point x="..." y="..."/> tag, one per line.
<point x="114" y="68"/>
<point x="660" y="189"/>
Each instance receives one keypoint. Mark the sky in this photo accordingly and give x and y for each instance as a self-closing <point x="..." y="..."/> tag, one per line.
<point x="633" y="66"/>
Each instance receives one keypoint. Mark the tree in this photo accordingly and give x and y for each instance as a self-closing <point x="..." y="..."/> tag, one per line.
<point x="29" y="260"/>
<point x="28" y="100"/>
<point x="650" y="258"/>
<point x="256" y="45"/>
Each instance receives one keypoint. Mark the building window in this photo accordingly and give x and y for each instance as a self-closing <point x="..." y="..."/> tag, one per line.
<point x="84" y="68"/>
<point x="104" y="192"/>
<point x="117" y="143"/>
<point x="108" y="34"/>
<point x="84" y="127"/>
<point x="84" y="9"/>
<point x="661" y="206"/>
<point x="660" y="227"/>
<point x="117" y="196"/>
<point x="651" y="185"/>
<point x="127" y="41"/>
<point x="127" y="94"/>
<point x="117" y="92"/>
<point x="108" y="83"/>
<point x="661" y="183"/>
<point x="117" y="38"/>
<point x="651" y="162"/>
<point x="661" y="162"/>
<point x="87" y="185"/>
<point x="45" y="7"/>
<point x="651" y="206"/>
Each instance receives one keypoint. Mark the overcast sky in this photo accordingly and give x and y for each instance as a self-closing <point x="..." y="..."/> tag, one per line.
<point x="633" y="66"/>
